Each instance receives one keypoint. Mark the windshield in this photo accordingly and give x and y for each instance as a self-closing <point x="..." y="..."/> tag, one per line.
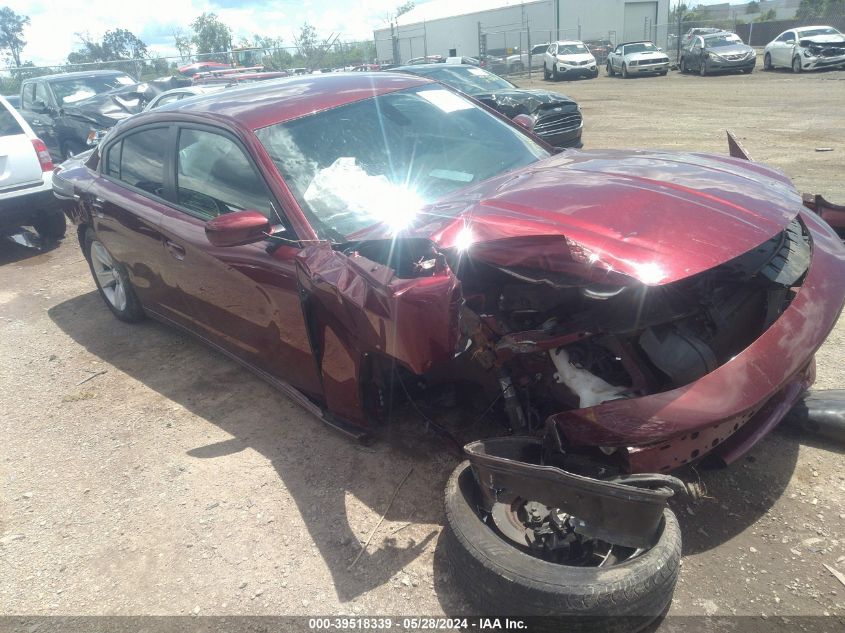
<point x="824" y="30"/>
<point x="382" y="159"/>
<point x="641" y="47"/>
<point x="79" y="88"/>
<point x="472" y="81"/>
<point x="728" y="39"/>
<point x="571" y="49"/>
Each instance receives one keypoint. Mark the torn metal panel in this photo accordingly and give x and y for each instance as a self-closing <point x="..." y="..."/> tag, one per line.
<point x="833" y="214"/>
<point x="357" y="306"/>
<point x="612" y="511"/>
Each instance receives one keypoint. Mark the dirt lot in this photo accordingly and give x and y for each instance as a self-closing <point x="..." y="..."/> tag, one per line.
<point x="175" y="482"/>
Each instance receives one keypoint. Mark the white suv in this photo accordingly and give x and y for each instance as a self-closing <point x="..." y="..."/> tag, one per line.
<point x="568" y="59"/>
<point x="26" y="179"/>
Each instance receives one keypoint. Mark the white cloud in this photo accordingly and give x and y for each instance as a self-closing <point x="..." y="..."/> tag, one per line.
<point x="51" y="34"/>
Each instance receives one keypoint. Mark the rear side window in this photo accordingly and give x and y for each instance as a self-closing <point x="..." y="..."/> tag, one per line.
<point x="28" y="95"/>
<point x="142" y="160"/>
<point x="8" y="124"/>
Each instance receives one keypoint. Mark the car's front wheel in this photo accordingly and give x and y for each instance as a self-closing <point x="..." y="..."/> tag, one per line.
<point x="796" y="64"/>
<point x="546" y="74"/>
<point x="624" y="71"/>
<point x="609" y="69"/>
<point x="767" y="62"/>
<point x="50" y="225"/>
<point x="593" y="584"/>
<point x="702" y="68"/>
<point x="112" y="281"/>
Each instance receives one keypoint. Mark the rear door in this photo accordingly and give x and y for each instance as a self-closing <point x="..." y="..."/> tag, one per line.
<point x="244" y="299"/>
<point x="19" y="166"/>
<point x="128" y="201"/>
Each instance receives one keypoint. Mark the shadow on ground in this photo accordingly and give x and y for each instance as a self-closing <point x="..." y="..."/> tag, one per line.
<point x="189" y="374"/>
<point x="23" y="244"/>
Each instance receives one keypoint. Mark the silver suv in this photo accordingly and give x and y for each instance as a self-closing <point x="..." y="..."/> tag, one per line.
<point x="26" y="179"/>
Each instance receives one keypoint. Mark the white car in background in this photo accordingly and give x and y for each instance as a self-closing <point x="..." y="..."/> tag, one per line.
<point x="26" y="179"/>
<point x="177" y="94"/>
<point x="805" y="48"/>
<point x="570" y="58"/>
<point x="637" y="58"/>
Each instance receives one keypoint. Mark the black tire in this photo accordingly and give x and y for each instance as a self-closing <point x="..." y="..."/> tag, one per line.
<point x="546" y="74"/>
<point x="555" y="74"/>
<point x="517" y="68"/>
<point x="796" y="67"/>
<point x="683" y="65"/>
<point x="767" y="62"/>
<point x="51" y="225"/>
<point x="595" y="73"/>
<point x="502" y="580"/>
<point x="702" y="68"/>
<point x="132" y="311"/>
<point x="664" y="73"/>
<point x="610" y="72"/>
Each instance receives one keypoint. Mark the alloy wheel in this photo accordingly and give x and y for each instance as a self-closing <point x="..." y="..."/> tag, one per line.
<point x="108" y="277"/>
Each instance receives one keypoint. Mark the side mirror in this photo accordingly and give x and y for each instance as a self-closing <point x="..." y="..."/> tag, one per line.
<point x="39" y="107"/>
<point x="523" y="120"/>
<point x="238" y="228"/>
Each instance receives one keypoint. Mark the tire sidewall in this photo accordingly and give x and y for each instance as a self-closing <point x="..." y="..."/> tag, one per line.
<point x="558" y="587"/>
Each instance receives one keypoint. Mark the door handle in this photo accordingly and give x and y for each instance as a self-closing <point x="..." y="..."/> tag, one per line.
<point x="175" y="249"/>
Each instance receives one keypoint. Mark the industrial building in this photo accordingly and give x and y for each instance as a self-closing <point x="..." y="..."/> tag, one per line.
<point x="473" y="27"/>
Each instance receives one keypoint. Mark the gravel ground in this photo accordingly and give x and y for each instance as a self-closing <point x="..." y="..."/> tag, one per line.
<point x="174" y="482"/>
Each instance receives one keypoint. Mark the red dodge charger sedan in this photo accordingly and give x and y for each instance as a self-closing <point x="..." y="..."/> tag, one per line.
<point x="357" y="238"/>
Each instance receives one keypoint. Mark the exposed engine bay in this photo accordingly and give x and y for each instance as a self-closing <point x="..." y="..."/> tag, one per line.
<point x="538" y="342"/>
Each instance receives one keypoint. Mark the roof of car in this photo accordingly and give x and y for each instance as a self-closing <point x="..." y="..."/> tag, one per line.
<point x="83" y="73"/>
<point x="274" y="101"/>
<point x="637" y="42"/>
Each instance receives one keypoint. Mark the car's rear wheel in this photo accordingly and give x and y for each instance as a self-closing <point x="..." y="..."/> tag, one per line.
<point x="610" y="72"/>
<point x="112" y="281"/>
<point x="767" y="62"/>
<point x="50" y="225"/>
<point x="593" y="584"/>
<point x="796" y="64"/>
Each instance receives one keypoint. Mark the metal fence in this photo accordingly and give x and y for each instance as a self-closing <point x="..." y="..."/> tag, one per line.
<point x="330" y="55"/>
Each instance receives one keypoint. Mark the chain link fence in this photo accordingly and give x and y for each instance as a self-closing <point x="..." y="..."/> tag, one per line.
<point x="328" y="57"/>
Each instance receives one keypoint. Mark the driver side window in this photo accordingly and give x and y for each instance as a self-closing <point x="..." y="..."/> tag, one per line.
<point x="214" y="176"/>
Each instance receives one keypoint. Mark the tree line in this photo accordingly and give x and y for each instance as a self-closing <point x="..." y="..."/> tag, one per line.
<point x="208" y="38"/>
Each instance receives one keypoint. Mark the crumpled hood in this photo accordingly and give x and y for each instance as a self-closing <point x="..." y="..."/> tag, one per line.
<point x="654" y="216"/>
<point x="823" y="39"/>
<point x="510" y="102"/>
<point x="107" y="108"/>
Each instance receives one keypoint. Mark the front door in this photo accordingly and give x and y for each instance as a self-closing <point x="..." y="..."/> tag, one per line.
<point x="244" y="299"/>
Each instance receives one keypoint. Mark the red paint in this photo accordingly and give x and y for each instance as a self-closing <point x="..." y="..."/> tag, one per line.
<point x="235" y="229"/>
<point x="310" y="316"/>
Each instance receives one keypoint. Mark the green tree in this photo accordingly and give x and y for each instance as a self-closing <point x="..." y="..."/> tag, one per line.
<point x="307" y="43"/>
<point x="182" y="43"/>
<point x="404" y="8"/>
<point x="768" y="16"/>
<point x="11" y="34"/>
<point x="211" y="35"/>
<point x="116" y="45"/>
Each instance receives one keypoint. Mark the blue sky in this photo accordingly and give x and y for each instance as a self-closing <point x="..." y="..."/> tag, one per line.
<point x="52" y="32"/>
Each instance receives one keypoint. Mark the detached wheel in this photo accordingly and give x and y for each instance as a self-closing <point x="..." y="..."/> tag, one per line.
<point x="51" y="225"/>
<point x="112" y="281"/>
<point x="595" y="585"/>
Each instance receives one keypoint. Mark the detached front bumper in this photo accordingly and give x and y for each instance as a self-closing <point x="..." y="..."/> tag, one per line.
<point x="728" y="410"/>
<point x="812" y="63"/>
